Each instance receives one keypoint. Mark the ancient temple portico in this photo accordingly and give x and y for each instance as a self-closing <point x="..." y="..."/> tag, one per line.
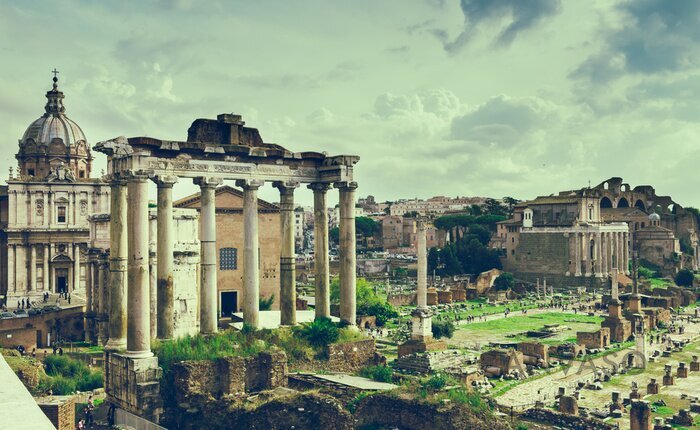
<point x="216" y="151"/>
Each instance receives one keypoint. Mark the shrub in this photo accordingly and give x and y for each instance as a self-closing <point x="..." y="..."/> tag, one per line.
<point x="320" y="332"/>
<point x="382" y="310"/>
<point x="684" y="278"/>
<point x="89" y="381"/>
<point x="435" y="382"/>
<point x="62" y="385"/>
<point x="265" y="304"/>
<point x="464" y="397"/>
<point x="442" y="329"/>
<point x="377" y="373"/>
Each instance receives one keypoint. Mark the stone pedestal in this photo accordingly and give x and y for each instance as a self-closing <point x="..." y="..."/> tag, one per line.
<point x="695" y="364"/>
<point x="653" y="387"/>
<point x="682" y="371"/>
<point x="568" y="405"/>
<point x="616" y="403"/>
<point x="133" y="384"/>
<point x="640" y="415"/>
<point x="634" y="394"/>
<point x="421" y="335"/>
<point x="668" y="377"/>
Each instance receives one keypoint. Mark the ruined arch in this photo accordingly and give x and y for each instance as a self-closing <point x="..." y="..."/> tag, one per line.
<point x="623" y="203"/>
<point x="640" y="205"/>
<point x="605" y="203"/>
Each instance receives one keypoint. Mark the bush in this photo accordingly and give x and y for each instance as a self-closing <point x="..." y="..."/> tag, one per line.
<point x="377" y="373"/>
<point x="684" y="278"/>
<point x="464" y="397"/>
<point x="89" y="381"/>
<point x="382" y="310"/>
<point x="62" y="385"/>
<point x="265" y="304"/>
<point x="442" y="329"/>
<point x="504" y="282"/>
<point x="435" y="382"/>
<point x="320" y="332"/>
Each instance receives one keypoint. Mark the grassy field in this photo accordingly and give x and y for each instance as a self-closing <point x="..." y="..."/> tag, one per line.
<point x="512" y="329"/>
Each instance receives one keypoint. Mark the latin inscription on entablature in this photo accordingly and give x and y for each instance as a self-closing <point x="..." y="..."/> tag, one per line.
<point x="265" y="171"/>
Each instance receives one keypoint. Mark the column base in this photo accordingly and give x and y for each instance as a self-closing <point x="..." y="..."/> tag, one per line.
<point x="577" y="274"/>
<point x="133" y="384"/>
<point x="137" y="354"/>
<point x="115" y="344"/>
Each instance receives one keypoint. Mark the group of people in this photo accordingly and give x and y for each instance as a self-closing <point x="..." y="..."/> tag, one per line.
<point x="88" y="420"/>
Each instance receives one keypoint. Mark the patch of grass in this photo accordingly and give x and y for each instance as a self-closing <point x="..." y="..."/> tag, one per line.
<point x="347" y="334"/>
<point x="67" y="375"/>
<point x="377" y="373"/>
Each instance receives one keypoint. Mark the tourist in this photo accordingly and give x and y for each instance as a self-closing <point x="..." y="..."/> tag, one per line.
<point x="60" y="351"/>
<point x="81" y="424"/>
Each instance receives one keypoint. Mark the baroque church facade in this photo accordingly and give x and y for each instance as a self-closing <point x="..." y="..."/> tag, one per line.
<point x="44" y="208"/>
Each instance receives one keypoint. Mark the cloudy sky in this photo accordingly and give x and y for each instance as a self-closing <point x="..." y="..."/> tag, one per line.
<point x="470" y="97"/>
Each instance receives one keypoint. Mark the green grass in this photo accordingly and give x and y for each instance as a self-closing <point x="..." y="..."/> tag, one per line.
<point x="531" y="322"/>
<point x="655" y="283"/>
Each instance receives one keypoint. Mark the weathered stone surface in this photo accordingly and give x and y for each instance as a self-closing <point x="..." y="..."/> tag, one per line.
<point x="351" y="356"/>
<point x="565" y="420"/>
<point x="387" y="411"/>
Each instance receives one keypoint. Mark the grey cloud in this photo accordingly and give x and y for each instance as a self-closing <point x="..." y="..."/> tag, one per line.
<point x="658" y="36"/>
<point x="501" y="120"/>
<point x="341" y="72"/>
<point x="524" y="14"/>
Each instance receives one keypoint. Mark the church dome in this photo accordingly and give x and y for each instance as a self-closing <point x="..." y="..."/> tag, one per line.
<point x="654" y="217"/>
<point x="53" y="142"/>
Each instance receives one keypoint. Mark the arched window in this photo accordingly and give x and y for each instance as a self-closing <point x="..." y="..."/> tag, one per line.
<point x="605" y="203"/>
<point x="623" y="203"/>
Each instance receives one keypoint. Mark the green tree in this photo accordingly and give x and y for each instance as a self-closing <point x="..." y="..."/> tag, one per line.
<point x="504" y="282"/>
<point x="684" y="278"/>
<point x="494" y="207"/>
<point x="365" y="226"/>
<point x="334" y="235"/>
<point x="442" y="328"/>
<point x="433" y="259"/>
<point x="368" y="302"/>
<point x="475" y="210"/>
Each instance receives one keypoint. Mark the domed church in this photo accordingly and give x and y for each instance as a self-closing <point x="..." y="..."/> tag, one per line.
<point x="44" y="208"/>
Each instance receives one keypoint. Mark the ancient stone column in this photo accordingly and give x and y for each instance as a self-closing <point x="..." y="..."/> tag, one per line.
<point x="598" y="254"/>
<point x="577" y="253"/>
<point x="626" y="252"/>
<point x="76" y="267"/>
<point x="620" y="249"/>
<point x="614" y="291"/>
<point x="46" y="277"/>
<point x="604" y="255"/>
<point x="165" y="246"/>
<point x="104" y="300"/>
<point x="117" y="265"/>
<point x="288" y="295"/>
<point x="138" y="338"/>
<point x="421" y="250"/>
<point x="586" y="253"/>
<point x="251" y="271"/>
<point x="323" y="302"/>
<point x="347" y="252"/>
<point x="208" y="306"/>
<point x="32" y="268"/>
<point x="11" y="283"/>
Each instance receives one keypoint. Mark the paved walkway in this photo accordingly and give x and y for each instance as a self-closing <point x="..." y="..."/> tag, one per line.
<point x="357" y="382"/>
<point x="18" y="408"/>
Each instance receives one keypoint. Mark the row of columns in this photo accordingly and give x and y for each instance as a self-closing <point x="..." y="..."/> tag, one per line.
<point x="19" y="273"/>
<point x="129" y="253"/>
<point x="598" y="253"/>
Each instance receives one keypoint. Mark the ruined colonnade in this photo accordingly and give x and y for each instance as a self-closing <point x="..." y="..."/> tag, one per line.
<point x="599" y="253"/>
<point x="129" y="312"/>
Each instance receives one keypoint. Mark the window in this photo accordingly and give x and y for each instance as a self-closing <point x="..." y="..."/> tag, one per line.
<point x="61" y="214"/>
<point x="31" y="172"/>
<point x="228" y="259"/>
<point x="81" y="174"/>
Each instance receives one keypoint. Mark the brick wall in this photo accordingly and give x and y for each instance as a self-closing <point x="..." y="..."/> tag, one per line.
<point x="351" y="355"/>
<point x="60" y="410"/>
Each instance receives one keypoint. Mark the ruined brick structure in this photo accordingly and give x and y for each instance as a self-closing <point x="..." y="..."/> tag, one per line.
<point x="594" y="340"/>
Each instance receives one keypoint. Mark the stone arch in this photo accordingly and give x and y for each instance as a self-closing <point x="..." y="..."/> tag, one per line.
<point x="639" y="204"/>
<point x="605" y="185"/>
<point x="623" y="203"/>
<point x="673" y="208"/>
<point x="605" y="202"/>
